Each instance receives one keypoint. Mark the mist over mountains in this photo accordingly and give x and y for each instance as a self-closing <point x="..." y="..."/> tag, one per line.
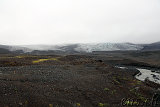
<point x="78" y="48"/>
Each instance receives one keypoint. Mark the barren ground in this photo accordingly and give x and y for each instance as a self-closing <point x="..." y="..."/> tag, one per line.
<point x="88" y="80"/>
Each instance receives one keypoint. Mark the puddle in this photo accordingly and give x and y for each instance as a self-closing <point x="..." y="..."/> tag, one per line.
<point x="120" y="67"/>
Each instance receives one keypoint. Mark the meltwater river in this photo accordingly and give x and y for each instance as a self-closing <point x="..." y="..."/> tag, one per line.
<point x="151" y="75"/>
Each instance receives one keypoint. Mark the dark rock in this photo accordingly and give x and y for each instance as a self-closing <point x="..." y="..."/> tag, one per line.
<point x="132" y="71"/>
<point x="152" y="71"/>
<point x="99" y="61"/>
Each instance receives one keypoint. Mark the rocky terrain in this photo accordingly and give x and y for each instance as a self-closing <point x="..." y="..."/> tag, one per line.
<point x="77" y="80"/>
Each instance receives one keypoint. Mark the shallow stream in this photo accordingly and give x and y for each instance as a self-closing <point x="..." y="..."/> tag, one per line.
<point x="151" y="75"/>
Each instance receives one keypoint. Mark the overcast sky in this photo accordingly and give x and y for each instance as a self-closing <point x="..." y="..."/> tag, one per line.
<point x="79" y="21"/>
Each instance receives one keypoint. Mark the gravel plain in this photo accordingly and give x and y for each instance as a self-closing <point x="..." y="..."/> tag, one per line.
<point x="71" y="81"/>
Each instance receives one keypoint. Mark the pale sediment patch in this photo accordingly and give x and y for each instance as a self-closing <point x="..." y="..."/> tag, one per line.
<point x="120" y="67"/>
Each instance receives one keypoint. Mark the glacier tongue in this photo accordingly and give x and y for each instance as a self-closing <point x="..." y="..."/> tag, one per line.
<point x="107" y="47"/>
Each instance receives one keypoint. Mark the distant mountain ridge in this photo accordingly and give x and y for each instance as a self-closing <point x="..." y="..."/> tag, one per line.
<point x="153" y="46"/>
<point x="15" y="48"/>
<point x="81" y="47"/>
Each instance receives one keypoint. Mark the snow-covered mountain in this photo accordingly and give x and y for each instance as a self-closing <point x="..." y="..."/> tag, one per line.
<point x="15" y="48"/>
<point x="84" y="47"/>
<point x="42" y="47"/>
<point x="87" y="47"/>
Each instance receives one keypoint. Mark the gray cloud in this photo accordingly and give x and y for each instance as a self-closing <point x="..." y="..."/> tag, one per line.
<point x="71" y="21"/>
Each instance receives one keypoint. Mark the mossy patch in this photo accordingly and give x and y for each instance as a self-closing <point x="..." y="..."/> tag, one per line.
<point x="42" y="60"/>
<point x="138" y="95"/>
<point x="103" y="105"/>
<point x="78" y="104"/>
<point x="106" y="89"/>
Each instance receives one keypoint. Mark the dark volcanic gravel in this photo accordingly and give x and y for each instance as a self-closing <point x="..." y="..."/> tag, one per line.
<point x="82" y="82"/>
